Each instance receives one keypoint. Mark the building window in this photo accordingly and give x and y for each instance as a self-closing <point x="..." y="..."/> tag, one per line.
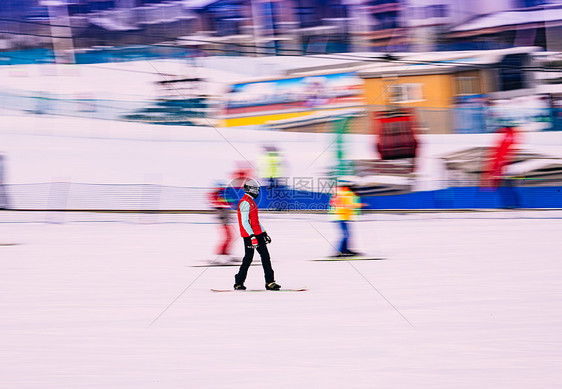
<point x="511" y="72"/>
<point x="406" y="93"/>
<point x="430" y="11"/>
<point x="441" y="10"/>
<point x="387" y="20"/>
<point x="467" y="86"/>
<point x="306" y="13"/>
<point x="530" y="3"/>
<point x="382" y="2"/>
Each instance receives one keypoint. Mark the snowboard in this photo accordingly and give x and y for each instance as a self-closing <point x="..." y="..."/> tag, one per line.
<point x="261" y="290"/>
<point x="231" y="264"/>
<point x="352" y="258"/>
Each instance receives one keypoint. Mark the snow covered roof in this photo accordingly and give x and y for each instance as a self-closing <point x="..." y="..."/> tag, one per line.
<point x="111" y="24"/>
<point x="440" y="62"/>
<point x="197" y="3"/>
<point x="510" y="18"/>
<point x="276" y="66"/>
<point x="390" y="70"/>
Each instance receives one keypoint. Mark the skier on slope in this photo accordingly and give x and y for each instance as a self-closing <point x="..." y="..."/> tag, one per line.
<point x="4" y="200"/>
<point x="496" y="174"/>
<point x="344" y="205"/>
<point x="254" y="237"/>
<point x="219" y="203"/>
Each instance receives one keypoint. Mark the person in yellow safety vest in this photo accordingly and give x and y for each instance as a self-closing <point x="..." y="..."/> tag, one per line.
<point x="271" y="166"/>
<point x="344" y="206"/>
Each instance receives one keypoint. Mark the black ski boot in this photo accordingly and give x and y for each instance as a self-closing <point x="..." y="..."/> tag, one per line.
<point x="272" y="286"/>
<point x="239" y="287"/>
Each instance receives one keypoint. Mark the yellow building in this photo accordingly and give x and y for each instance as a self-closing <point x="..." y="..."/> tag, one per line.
<point x="427" y="88"/>
<point x="437" y="84"/>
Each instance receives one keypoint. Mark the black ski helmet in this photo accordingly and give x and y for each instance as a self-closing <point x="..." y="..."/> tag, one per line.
<point x="252" y="187"/>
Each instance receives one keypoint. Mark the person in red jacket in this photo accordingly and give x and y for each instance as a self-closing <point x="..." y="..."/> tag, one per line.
<point x="221" y="206"/>
<point x="495" y="174"/>
<point x="254" y="237"/>
<point x="501" y="155"/>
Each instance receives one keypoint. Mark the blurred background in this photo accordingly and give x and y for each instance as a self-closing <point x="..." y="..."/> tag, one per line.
<point x="417" y="103"/>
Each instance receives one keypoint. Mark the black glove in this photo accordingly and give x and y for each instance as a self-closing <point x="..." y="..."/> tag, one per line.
<point x="254" y="242"/>
<point x="266" y="238"/>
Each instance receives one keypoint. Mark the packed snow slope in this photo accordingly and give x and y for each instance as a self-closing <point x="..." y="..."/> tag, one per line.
<point x="460" y="301"/>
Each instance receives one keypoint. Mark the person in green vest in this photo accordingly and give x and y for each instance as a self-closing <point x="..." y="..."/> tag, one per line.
<point x="343" y="167"/>
<point x="271" y="166"/>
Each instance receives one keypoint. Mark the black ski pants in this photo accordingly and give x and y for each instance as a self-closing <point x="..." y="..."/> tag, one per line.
<point x="249" y="256"/>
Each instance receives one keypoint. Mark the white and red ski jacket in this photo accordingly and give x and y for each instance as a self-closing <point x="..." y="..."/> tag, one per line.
<point x="248" y="219"/>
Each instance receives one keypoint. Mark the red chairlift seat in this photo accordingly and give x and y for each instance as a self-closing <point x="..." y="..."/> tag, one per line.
<point x="396" y="134"/>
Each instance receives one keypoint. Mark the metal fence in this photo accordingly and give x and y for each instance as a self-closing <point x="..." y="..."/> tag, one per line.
<point x="45" y="103"/>
<point x="463" y="119"/>
<point x="103" y="197"/>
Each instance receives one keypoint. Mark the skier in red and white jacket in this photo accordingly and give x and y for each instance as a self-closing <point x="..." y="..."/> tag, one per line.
<point x="219" y="203"/>
<point x="254" y="237"/>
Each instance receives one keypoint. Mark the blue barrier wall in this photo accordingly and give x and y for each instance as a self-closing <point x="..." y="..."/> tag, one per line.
<point x="451" y="198"/>
<point x="471" y="198"/>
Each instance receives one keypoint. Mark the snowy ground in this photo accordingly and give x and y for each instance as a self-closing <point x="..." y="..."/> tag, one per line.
<point x="463" y="300"/>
